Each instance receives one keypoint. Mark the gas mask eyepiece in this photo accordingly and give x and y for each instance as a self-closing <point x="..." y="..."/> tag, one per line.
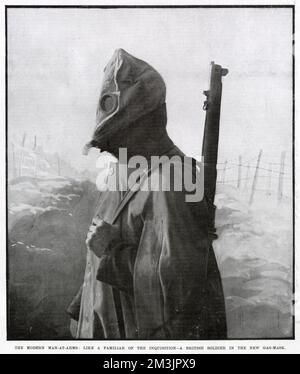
<point x="108" y="103"/>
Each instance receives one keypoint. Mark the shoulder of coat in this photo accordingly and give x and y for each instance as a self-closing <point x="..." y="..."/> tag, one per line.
<point x="169" y="174"/>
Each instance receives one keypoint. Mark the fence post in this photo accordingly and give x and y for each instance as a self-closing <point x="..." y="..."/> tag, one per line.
<point x="21" y="154"/>
<point x="281" y="172"/>
<point x="239" y="172"/>
<point x="224" y="171"/>
<point x="34" y="144"/>
<point x="24" y="139"/>
<point x="269" y="181"/>
<point x="255" y="177"/>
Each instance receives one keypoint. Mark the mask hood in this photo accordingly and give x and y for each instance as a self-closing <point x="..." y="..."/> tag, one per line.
<point x="131" y="89"/>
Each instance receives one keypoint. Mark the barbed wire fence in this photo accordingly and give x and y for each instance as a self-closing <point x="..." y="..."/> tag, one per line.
<point x="27" y="158"/>
<point x="257" y="174"/>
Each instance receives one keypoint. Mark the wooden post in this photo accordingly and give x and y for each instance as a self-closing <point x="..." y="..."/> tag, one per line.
<point x="24" y="139"/>
<point x="239" y="172"/>
<point x="281" y="173"/>
<point x="255" y="178"/>
<point x="224" y="171"/>
<point x="269" y="182"/>
<point x="34" y="144"/>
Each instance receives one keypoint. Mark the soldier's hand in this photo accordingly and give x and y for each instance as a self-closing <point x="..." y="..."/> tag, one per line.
<point x="101" y="237"/>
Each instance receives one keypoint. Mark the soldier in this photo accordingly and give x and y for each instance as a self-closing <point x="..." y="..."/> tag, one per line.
<point x="151" y="273"/>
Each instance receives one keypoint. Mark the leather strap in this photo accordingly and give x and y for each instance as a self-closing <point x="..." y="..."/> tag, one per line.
<point x="133" y="190"/>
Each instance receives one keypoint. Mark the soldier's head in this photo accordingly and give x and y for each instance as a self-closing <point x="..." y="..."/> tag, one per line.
<point x="131" y="90"/>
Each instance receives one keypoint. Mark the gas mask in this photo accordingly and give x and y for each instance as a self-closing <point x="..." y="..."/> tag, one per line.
<point x="130" y="89"/>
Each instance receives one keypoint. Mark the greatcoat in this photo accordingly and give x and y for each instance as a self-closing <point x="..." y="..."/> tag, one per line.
<point x="151" y="273"/>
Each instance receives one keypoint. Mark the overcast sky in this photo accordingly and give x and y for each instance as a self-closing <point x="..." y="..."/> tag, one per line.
<point x="56" y="59"/>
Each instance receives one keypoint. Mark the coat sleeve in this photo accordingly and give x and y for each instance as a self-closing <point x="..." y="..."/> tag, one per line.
<point x="116" y="257"/>
<point x="176" y="243"/>
<point x="116" y="267"/>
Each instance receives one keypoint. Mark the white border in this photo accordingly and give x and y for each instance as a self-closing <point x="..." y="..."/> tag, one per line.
<point x="208" y="347"/>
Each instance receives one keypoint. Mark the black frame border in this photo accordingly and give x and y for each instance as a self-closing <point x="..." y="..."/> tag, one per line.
<point x="266" y="6"/>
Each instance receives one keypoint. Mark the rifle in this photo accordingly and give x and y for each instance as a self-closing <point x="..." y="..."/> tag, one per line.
<point x="212" y="105"/>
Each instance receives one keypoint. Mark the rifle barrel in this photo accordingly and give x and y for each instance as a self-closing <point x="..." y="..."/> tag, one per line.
<point x="210" y="145"/>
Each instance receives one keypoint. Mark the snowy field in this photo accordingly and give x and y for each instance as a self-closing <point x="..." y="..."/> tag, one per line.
<point x="255" y="253"/>
<point x="48" y="221"/>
